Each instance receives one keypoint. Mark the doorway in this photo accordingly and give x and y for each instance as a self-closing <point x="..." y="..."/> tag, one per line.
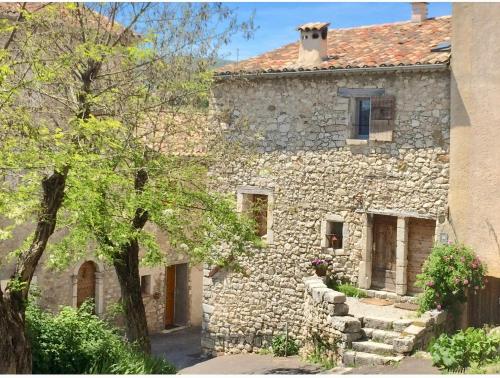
<point x="176" y="302"/>
<point x="86" y="283"/>
<point x="384" y="252"/>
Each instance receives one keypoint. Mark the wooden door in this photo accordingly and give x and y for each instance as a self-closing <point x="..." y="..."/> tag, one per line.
<point x="420" y="242"/>
<point x="384" y="252"/>
<point x="484" y="305"/>
<point x="86" y="282"/>
<point x="170" y="296"/>
<point x="181" y="295"/>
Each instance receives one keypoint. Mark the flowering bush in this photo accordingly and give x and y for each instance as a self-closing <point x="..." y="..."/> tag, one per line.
<point x="447" y="274"/>
<point x="320" y="266"/>
<point x="320" y="263"/>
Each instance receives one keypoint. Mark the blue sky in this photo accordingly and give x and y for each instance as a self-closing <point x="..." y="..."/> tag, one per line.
<point x="277" y="22"/>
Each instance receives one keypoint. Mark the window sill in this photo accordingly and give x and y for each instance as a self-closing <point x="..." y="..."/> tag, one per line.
<point x="336" y="252"/>
<point x="356" y="142"/>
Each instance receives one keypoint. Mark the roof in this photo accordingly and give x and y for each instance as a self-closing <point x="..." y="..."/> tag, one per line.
<point x="397" y="44"/>
<point x="313" y="26"/>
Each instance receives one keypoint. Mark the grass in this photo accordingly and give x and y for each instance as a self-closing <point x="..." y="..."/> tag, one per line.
<point x="320" y="359"/>
<point x="491" y="368"/>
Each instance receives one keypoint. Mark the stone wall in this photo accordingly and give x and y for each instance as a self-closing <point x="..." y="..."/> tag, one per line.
<point x="297" y="131"/>
<point x="327" y="324"/>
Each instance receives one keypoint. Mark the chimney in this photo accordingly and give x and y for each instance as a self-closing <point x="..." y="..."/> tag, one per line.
<point x="313" y="39"/>
<point x="419" y="11"/>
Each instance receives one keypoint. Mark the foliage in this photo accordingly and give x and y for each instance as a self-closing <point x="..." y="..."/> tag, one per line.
<point x="322" y="353"/>
<point x="350" y="290"/>
<point x="345" y="287"/>
<point x="472" y="347"/>
<point x="283" y="346"/>
<point x="447" y="274"/>
<point x="113" y="96"/>
<point x="77" y="342"/>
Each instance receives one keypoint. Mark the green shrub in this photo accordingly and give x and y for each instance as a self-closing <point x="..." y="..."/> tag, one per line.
<point x="283" y="347"/>
<point x="447" y="274"/>
<point x="351" y="291"/>
<point x="472" y="347"/>
<point x="345" y="287"/>
<point x="75" y="341"/>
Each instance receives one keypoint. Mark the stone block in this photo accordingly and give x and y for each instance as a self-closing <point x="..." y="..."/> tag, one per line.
<point x="365" y="274"/>
<point x="367" y="332"/>
<point x="208" y="309"/>
<point x="401" y="324"/>
<point x="403" y="344"/>
<point x="351" y="336"/>
<point x="338" y="309"/>
<point x="425" y="320"/>
<point x="377" y="323"/>
<point x="401" y="276"/>
<point x="317" y="293"/>
<point x="332" y="296"/>
<point x="346" y="324"/>
<point x="439" y="316"/>
<point x="414" y="330"/>
<point x="401" y="289"/>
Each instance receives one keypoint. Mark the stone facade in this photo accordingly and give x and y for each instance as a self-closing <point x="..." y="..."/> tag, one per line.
<point x="59" y="288"/>
<point x="298" y="132"/>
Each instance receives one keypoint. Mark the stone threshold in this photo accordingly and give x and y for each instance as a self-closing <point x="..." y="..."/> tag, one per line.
<point x="372" y="293"/>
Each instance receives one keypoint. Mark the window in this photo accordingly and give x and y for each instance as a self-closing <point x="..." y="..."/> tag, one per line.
<point x="255" y="206"/>
<point x="334" y="234"/>
<point x="146" y="284"/>
<point x="362" y="123"/>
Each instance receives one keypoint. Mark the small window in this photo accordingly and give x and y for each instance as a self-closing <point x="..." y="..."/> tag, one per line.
<point x="334" y="235"/>
<point x="255" y="206"/>
<point x="362" y="122"/>
<point x="146" y="284"/>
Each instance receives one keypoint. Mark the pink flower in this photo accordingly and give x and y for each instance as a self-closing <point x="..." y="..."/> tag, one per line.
<point x="430" y="284"/>
<point x="457" y="280"/>
<point x="466" y="282"/>
<point x="439" y="307"/>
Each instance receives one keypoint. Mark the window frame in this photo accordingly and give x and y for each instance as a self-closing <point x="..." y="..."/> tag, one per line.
<point x="149" y="285"/>
<point x="357" y="104"/>
<point x="252" y="190"/>
<point x="334" y="218"/>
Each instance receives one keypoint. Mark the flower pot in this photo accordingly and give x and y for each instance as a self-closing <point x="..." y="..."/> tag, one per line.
<point x="320" y="271"/>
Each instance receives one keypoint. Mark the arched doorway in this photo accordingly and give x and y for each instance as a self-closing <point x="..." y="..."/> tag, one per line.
<point x="86" y="287"/>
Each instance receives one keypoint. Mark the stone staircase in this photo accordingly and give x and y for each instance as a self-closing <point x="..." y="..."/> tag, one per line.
<point x="379" y="344"/>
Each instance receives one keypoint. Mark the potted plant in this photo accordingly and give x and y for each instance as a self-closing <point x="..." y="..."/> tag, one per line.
<point x="320" y="266"/>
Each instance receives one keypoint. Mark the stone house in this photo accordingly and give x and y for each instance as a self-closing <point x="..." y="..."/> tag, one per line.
<point x="171" y="294"/>
<point x="347" y="136"/>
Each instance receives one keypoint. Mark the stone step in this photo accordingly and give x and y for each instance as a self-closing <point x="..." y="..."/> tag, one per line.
<point x="354" y="358"/>
<point x="369" y="346"/>
<point x="377" y="323"/>
<point x="386" y="337"/>
<point x="367" y="332"/>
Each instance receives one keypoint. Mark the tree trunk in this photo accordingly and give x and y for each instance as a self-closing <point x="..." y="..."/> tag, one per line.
<point x="15" y="350"/>
<point x="127" y="270"/>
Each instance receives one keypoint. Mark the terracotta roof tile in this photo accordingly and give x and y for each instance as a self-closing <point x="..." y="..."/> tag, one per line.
<point x="404" y="43"/>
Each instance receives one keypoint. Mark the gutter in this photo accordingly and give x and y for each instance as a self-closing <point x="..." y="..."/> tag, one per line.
<point x="339" y="71"/>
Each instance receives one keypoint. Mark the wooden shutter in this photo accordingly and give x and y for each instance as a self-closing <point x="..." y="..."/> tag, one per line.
<point x="382" y="118"/>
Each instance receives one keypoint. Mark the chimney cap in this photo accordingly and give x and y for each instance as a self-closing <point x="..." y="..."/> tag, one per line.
<point x="313" y="26"/>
